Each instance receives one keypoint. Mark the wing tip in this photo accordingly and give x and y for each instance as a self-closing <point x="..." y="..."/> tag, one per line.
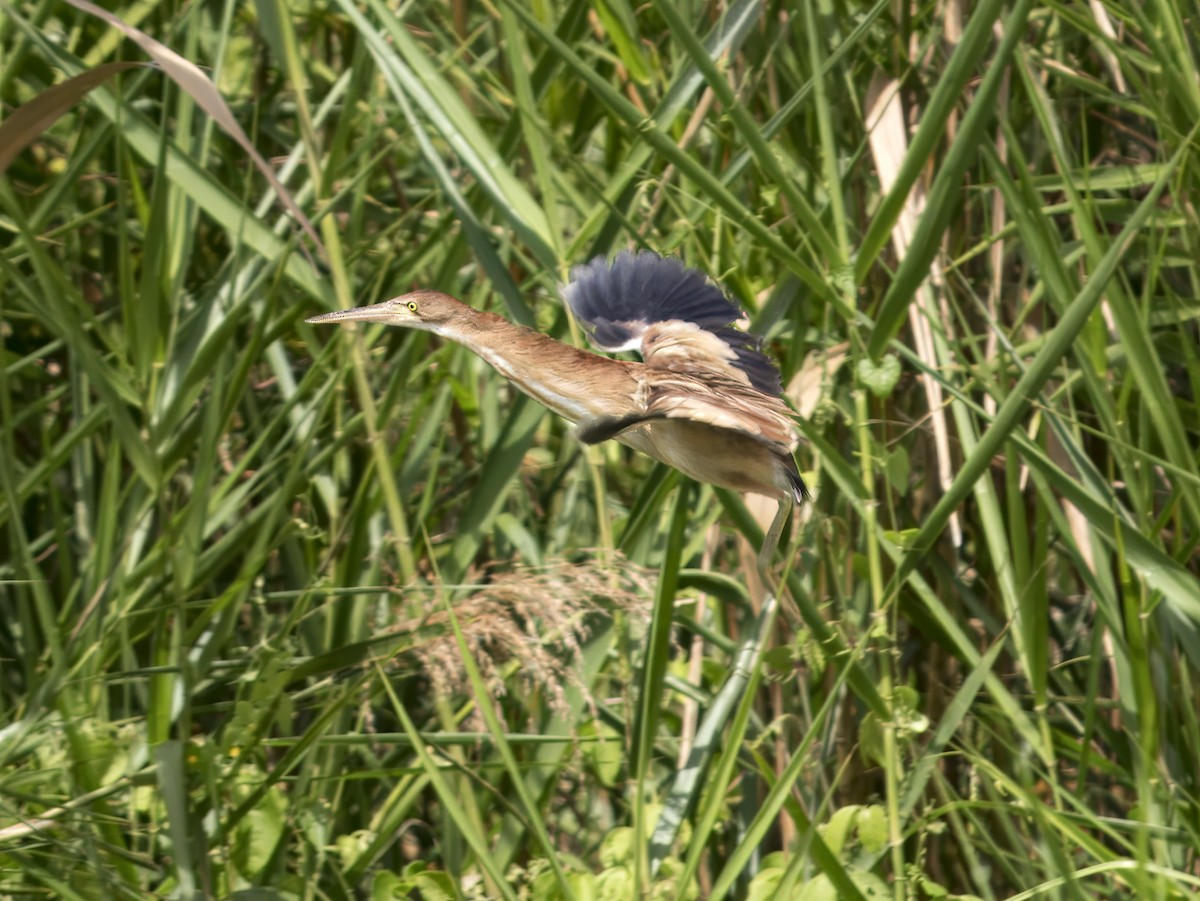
<point x="645" y="286"/>
<point x="800" y="492"/>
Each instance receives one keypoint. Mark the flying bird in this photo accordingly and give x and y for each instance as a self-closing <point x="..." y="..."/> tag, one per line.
<point x="704" y="399"/>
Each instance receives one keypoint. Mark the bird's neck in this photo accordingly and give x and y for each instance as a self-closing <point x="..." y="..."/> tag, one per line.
<point x="569" y="381"/>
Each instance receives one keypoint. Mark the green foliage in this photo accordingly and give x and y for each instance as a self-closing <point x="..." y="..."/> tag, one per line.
<point x="879" y="378"/>
<point x="289" y="613"/>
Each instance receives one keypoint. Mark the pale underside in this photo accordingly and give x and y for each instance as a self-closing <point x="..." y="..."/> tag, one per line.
<point x="718" y="456"/>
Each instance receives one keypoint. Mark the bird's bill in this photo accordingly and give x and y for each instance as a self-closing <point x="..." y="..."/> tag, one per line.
<point x="376" y="312"/>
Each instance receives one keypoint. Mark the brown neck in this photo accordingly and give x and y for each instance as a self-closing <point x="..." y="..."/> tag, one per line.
<point x="573" y="383"/>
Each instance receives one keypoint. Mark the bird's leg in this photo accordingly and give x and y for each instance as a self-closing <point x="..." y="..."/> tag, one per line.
<point x="770" y="543"/>
<point x="775" y="591"/>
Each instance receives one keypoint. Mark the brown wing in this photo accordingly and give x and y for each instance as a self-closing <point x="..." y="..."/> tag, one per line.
<point x="638" y="298"/>
<point x="698" y="365"/>
<point x="715" y="388"/>
<point x="722" y="403"/>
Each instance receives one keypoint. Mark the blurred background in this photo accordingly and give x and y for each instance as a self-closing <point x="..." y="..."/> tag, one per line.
<point x="289" y="612"/>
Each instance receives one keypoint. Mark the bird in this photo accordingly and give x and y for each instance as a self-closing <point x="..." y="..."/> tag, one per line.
<point x="704" y="399"/>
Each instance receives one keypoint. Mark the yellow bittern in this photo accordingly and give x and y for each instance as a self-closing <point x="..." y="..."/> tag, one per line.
<point x="704" y="399"/>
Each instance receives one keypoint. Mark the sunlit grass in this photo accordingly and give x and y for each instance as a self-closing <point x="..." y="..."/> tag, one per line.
<point x="337" y="614"/>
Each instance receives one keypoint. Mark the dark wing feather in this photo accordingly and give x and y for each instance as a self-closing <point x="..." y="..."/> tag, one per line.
<point x="763" y="373"/>
<point x="624" y="304"/>
<point x="616" y="300"/>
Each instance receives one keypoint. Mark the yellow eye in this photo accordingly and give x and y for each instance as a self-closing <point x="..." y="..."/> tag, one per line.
<point x="412" y="306"/>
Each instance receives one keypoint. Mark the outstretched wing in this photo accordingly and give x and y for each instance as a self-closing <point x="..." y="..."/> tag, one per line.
<point x="704" y="368"/>
<point x="673" y="316"/>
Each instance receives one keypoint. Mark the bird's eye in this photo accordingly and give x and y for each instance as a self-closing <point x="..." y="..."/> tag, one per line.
<point x="412" y="306"/>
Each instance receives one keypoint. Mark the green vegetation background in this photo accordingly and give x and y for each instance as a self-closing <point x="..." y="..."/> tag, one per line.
<point x="301" y="613"/>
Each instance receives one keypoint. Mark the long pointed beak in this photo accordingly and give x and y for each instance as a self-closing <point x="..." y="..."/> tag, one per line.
<point x="377" y="312"/>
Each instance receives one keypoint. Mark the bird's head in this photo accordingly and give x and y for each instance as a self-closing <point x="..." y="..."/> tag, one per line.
<point x="427" y="310"/>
